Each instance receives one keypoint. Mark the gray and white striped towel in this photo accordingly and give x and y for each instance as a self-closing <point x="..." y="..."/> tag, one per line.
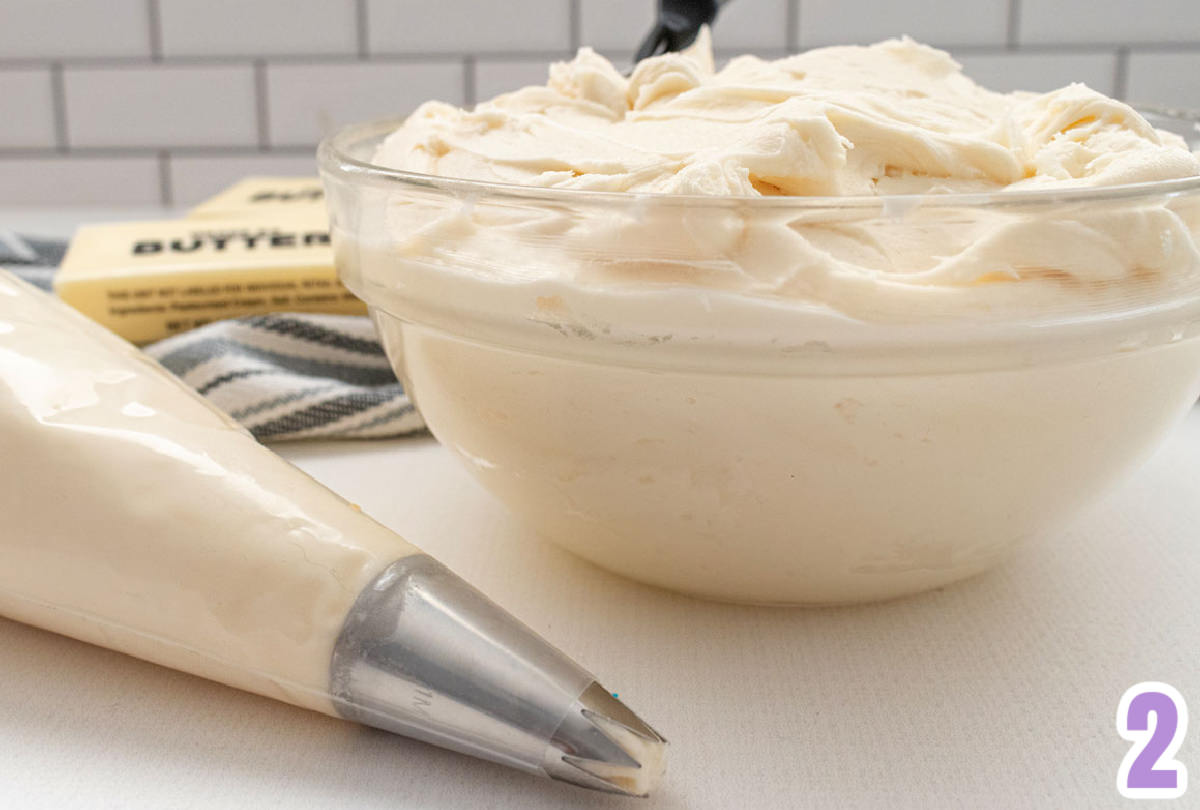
<point x="286" y="376"/>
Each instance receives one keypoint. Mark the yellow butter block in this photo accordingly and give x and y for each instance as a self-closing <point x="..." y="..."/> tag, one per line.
<point x="148" y="280"/>
<point x="256" y="196"/>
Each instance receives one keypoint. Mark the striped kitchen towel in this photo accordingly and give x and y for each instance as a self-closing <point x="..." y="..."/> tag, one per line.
<point x="31" y="260"/>
<point x="285" y="376"/>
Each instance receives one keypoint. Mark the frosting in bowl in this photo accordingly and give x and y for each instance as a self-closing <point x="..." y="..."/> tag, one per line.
<point x="895" y="117"/>
<point x="896" y="122"/>
<point x="838" y="327"/>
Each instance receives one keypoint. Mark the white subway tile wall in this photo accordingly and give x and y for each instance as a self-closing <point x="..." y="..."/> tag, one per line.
<point x="137" y="101"/>
<point x="1155" y="78"/>
<point x="160" y="106"/>
<point x="306" y="102"/>
<point x="1125" y="22"/>
<point x="455" y="26"/>
<point x="1037" y="71"/>
<point x="81" y="180"/>
<point x="937" y="22"/>
<point x="258" y="28"/>
<point x="496" y="76"/>
<point x="74" y="29"/>
<point x="28" y="99"/>
<point x="617" y="26"/>
<point x="193" y="178"/>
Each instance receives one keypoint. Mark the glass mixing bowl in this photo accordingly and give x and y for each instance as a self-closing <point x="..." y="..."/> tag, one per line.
<point x="781" y="399"/>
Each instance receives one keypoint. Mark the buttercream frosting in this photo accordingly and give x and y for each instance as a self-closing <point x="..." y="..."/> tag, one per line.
<point x="895" y="117"/>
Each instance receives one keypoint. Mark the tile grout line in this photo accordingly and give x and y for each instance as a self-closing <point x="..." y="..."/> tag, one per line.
<point x="165" y="191"/>
<point x="361" y="30"/>
<point x="792" y="31"/>
<point x="469" y="78"/>
<point x="399" y="57"/>
<point x="574" y="25"/>
<point x="261" y="114"/>
<point x="120" y="152"/>
<point x="154" y="20"/>
<point x="58" y="96"/>
<point x="1121" y="74"/>
<point x="19" y="63"/>
<point x="1013" y="35"/>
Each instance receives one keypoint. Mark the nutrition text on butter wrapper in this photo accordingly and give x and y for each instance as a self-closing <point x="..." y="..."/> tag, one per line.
<point x="197" y="304"/>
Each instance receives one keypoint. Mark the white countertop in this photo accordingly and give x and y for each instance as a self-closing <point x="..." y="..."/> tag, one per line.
<point x="997" y="692"/>
<point x="1000" y="691"/>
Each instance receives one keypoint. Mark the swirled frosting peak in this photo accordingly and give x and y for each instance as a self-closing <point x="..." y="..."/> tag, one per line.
<point x="895" y="117"/>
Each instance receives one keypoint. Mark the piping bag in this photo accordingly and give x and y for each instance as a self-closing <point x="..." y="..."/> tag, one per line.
<point x="136" y="516"/>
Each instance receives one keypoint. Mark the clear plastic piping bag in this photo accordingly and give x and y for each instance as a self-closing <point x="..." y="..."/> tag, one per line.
<point x="136" y="516"/>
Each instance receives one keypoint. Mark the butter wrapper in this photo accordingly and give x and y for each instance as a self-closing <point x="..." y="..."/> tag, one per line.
<point x="148" y="280"/>
<point x="258" y="196"/>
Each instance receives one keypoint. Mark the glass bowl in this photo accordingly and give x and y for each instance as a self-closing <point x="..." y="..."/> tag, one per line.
<point x="781" y="399"/>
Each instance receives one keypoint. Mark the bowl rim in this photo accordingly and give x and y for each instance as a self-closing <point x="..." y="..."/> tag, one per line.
<point x="333" y="158"/>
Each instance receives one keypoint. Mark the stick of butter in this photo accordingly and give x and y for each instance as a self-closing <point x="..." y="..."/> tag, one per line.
<point x="148" y="280"/>
<point x="255" y="196"/>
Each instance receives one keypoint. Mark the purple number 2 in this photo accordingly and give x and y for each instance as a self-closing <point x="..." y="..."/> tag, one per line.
<point x="1149" y="769"/>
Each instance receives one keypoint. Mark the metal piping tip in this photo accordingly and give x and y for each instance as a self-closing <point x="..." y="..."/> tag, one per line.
<point x="425" y="655"/>
<point x="601" y="744"/>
